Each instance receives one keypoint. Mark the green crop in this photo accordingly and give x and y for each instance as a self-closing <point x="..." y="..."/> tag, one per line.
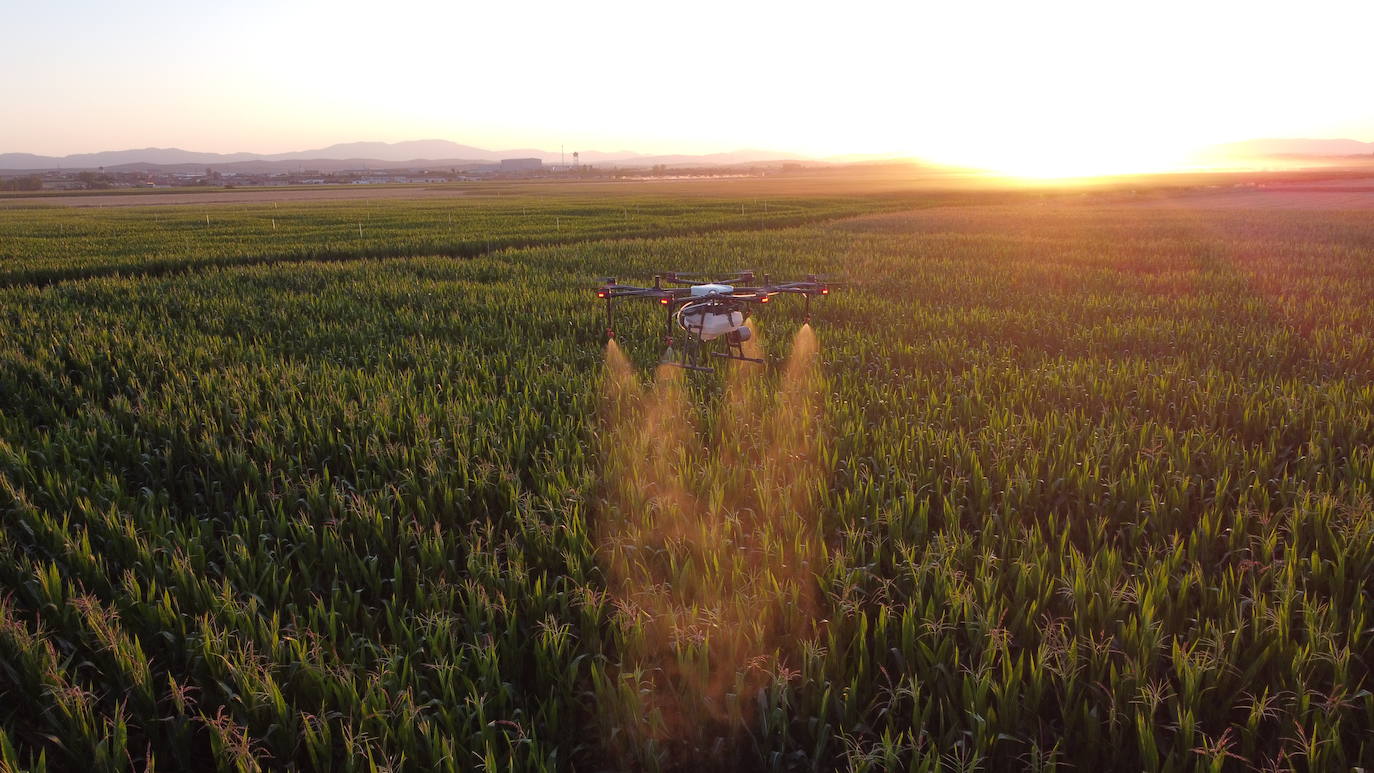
<point x="1060" y="485"/>
<point x="45" y="244"/>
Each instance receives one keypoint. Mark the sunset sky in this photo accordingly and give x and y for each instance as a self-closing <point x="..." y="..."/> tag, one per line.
<point x="1020" y="86"/>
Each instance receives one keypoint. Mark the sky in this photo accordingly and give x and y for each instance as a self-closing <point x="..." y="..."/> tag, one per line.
<point x="1091" y="86"/>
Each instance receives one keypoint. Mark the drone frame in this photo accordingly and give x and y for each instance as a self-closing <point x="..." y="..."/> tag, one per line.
<point x="678" y="299"/>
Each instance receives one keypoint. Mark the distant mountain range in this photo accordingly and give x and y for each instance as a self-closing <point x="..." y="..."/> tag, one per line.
<point x="363" y="155"/>
<point x="1292" y="147"/>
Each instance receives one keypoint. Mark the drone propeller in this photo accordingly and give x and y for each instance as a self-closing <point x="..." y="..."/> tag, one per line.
<point x="701" y="277"/>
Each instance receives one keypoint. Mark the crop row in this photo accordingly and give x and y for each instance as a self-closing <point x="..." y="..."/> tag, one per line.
<point x="46" y="244"/>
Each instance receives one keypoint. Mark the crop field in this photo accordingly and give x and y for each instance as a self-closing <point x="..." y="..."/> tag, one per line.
<point x="44" y="244"/>
<point x="1041" y="485"/>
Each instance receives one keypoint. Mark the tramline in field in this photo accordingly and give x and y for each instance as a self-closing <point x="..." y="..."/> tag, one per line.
<point x="708" y="308"/>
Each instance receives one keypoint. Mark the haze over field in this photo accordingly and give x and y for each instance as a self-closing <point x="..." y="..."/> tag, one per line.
<point x="353" y="155"/>
<point x="384" y="152"/>
<point x="1037" y="89"/>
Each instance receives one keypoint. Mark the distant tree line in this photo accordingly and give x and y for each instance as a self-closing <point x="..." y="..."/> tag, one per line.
<point x="93" y="181"/>
<point x="28" y="183"/>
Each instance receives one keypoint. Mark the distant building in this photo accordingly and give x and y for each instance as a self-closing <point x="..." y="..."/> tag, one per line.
<point x="521" y="165"/>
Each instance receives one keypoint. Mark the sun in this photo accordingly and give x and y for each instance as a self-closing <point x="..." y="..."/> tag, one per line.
<point x="1047" y="157"/>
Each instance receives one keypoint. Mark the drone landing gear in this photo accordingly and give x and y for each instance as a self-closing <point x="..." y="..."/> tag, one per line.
<point x="735" y="351"/>
<point x="692" y="356"/>
<point x="689" y="358"/>
<point x="734" y="346"/>
<point x="689" y="366"/>
<point x="739" y="357"/>
<point x="686" y="362"/>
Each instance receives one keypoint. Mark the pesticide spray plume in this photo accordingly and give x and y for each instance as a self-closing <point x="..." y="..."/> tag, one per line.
<point x="645" y="435"/>
<point x="744" y="403"/>
<point x="710" y="546"/>
<point x="620" y="374"/>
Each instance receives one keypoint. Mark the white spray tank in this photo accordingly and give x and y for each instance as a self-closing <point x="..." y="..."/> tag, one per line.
<point x="712" y="324"/>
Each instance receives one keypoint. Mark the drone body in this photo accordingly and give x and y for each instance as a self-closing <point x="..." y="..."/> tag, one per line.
<point x="703" y="310"/>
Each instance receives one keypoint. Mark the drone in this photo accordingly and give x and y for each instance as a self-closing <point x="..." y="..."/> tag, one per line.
<point x="708" y="308"/>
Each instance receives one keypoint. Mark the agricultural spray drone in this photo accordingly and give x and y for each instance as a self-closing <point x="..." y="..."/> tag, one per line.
<point x="707" y="309"/>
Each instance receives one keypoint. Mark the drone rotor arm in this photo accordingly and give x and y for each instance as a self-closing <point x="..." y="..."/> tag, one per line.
<point x="628" y="291"/>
